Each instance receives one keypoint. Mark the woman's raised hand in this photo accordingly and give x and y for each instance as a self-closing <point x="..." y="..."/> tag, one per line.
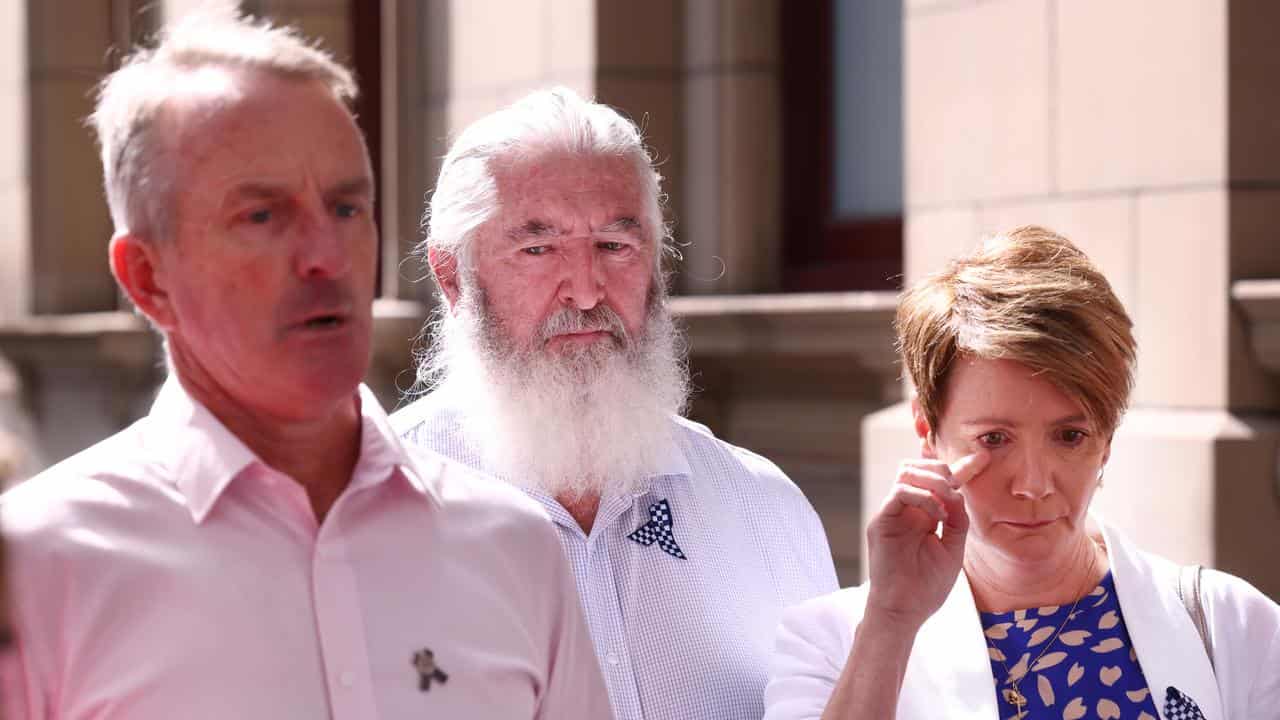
<point x="911" y="568"/>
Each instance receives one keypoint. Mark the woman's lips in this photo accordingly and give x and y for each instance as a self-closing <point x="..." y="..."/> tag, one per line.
<point x="1030" y="525"/>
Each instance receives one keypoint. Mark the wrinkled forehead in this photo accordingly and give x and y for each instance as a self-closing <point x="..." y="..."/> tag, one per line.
<point x="569" y="183"/>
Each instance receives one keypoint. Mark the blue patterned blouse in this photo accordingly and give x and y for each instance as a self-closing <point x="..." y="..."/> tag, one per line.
<point x="1088" y="670"/>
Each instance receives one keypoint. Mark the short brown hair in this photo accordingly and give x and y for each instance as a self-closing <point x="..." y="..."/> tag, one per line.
<point x="1031" y="296"/>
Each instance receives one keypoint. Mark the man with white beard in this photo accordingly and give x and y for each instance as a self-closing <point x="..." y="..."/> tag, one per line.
<point x="555" y="365"/>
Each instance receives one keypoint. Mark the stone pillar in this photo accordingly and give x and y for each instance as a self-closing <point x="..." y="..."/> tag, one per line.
<point x="729" y="226"/>
<point x="69" y="51"/>
<point x="1144" y="131"/>
<point x="15" y="203"/>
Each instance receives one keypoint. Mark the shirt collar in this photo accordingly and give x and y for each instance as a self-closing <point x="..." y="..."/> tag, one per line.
<point x="670" y="460"/>
<point x="382" y="454"/>
<point x="201" y="457"/>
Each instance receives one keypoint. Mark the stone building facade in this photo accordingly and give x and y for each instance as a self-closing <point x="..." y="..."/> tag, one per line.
<point x="1146" y="131"/>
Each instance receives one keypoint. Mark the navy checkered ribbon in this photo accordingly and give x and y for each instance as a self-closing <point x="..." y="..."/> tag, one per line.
<point x="658" y="530"/>
<point x="1180" y="707"/>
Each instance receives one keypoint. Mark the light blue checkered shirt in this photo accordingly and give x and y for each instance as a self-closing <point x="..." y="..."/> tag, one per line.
<point x="680" y="638"/>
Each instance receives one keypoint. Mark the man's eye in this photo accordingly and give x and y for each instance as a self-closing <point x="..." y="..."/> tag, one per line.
<point x="611" y="246"/>
<point x="346" y="210"/>
<point x="535" y="250"/>
<point x="260" y="217"/>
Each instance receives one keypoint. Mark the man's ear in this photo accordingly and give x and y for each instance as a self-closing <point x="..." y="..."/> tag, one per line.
<point x="921" y="426"/>
<point x="136" y="264"/>
<point x="444" y="265"/>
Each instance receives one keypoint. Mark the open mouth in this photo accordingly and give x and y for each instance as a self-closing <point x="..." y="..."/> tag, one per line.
<point x="324" y="322"/>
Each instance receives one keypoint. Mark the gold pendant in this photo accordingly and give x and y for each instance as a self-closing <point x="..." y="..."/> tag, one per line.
<point x="1013" y="697"/>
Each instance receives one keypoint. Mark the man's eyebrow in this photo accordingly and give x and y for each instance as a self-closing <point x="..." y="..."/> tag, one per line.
<point x="258" y="190"/>
<point x="622" y="225"/>
<point x="531" y="228"/>
<point x="352" y="186"/>
<point x="268" y="191"/>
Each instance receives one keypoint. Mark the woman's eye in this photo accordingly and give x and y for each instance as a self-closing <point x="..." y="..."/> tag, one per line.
<point x="1072" y="437"/>
<point x="611" y="246"/>
<point x="994" y="438"/>
<point x="535" y="250"/>
<point x="346" y="210"/>
<point x="260" y="217"/>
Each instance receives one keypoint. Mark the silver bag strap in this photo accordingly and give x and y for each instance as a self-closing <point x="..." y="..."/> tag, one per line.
<point x="1189" y="592"/>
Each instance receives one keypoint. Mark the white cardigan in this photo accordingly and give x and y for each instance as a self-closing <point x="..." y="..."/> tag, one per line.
<point x="949" y="673"/>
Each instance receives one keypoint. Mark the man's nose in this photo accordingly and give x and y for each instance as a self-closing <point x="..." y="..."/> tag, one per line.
<point x="323" y="249"/>
<point x="582" y="283"/>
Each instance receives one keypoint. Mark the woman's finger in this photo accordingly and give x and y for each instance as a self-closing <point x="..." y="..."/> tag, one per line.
<point x="968" y="467"/>
<point x="931" y="479"/>
<point x="904" y="496"/>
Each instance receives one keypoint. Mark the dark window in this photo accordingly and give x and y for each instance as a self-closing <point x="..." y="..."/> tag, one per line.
<point x="366" y="60"/>
<point x="842" y="145"/>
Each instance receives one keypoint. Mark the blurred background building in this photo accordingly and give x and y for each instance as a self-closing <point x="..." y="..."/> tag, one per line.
<point x="816" y="153"/>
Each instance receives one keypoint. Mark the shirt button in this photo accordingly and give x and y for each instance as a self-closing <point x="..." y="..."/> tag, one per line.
<point x="347" y="679"/>
<point x="611" y="658"/>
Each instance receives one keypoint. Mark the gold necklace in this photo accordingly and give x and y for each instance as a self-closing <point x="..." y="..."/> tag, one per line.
<point x="1013" y="695"/>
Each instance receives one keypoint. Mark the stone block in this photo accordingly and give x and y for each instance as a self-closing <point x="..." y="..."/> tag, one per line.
<point x="13" y="49"/>
<point x="636" y="35"/>
<point x="495" y="44"/>
<point x="1254" y="254"/>
<point x="976" y="103"/>
<point x="70" y="225"/>
<point x="698" y="227"/>
<point x="576" y="43"/>
<point x="701" y="27"/>
<point x="933" y="237"/>
<point x="15" y="248"/>
<point x="749" y="170"/>
<point x="1254" y="97"/>
<point x="69" y="35"/>
<point x="1182" y="299"/>
<point x="1198" y="487"/>
<point x="749" y="32"/>
<point x="13" y="135"/>
<point x="1142" y="93"/>
<point x="331" y="27"/>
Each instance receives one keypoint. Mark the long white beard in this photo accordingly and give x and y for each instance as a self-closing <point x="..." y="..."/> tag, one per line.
<point x="593" y="421"/>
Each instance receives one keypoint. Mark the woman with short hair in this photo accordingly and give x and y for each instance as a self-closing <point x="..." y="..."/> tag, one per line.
<point x="993" y="593"/>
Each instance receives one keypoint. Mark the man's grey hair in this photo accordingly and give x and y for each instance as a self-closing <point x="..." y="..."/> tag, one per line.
<point x="547" y="122"/>
<point x="137" y="172"/>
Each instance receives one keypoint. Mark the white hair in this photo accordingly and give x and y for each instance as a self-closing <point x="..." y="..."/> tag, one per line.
<point x="555" y="121"/>
<point x="137" y="178"/>
<point x="590" y="422"/>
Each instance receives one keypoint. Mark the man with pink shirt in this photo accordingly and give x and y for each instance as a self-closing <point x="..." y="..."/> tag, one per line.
<point x="261" y="545"/>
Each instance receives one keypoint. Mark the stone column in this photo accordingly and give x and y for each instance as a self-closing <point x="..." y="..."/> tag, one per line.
<point x="730" y="198"/>
<point x="1144" y="131"/>
<point x="69" y="50"/>
<point x="15" y="179"/>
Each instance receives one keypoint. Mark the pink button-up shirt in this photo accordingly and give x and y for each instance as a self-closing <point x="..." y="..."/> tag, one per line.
<point x="168" y="573"/>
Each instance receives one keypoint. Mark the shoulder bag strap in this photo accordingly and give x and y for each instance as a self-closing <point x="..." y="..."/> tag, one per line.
<point x="1189" y="592"/>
